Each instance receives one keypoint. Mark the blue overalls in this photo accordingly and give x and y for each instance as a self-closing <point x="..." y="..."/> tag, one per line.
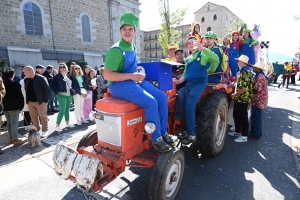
<point x="216" y="78"/>
<point x="248" y="50"/>
<point x="196" y="82"/>
<point x="154" y="101"/>
<point x="233" y="53"/>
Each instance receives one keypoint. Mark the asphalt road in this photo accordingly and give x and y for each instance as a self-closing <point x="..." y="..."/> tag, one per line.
<point x="259" y="169"/>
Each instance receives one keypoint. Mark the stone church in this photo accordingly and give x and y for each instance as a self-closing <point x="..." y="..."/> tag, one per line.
<point x="52" y="31"/>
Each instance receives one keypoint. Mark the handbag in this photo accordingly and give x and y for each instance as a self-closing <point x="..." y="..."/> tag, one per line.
<point x="72" y="91"/>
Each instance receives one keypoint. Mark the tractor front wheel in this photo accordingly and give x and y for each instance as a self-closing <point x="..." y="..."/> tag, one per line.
<point x="89" y="139"/>
<point x="167" y="175"/>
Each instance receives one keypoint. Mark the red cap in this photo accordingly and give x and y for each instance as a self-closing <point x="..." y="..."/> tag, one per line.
<point x="235" y="33"/>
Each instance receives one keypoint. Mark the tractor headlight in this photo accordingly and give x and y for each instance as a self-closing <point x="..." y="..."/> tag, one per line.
<point x="150" y="128"/>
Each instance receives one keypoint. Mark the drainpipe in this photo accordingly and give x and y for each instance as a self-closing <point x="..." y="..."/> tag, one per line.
<point x="110" y="21"/>
<point x="52" y="27"/>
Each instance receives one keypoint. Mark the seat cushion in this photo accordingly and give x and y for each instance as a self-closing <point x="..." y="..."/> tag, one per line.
<point x="114" y="105"/>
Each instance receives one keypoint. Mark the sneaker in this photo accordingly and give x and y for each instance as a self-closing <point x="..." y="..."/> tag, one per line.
<point x="44" y="134"/>
<point x="168" y="140"/>
<point x="17" y="142"/>
<point x="79" y="123"/>
<point x="234" y="134"/>
<point x="241" y="139"/>
<point x="183" y="135"/>
<point x="232" y="128"/>
<point x="84" y="121"/>
<point x="189" y="140"/>
<point x="70" y="126"/>
<point x="58" y="129"/>
<point x="161" y="146"/>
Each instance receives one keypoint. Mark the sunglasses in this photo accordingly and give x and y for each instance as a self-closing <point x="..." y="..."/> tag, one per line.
<point x="62" y="67"/>
<point x="76" y="68"/>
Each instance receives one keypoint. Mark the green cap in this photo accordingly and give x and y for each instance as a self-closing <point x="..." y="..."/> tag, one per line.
<point x="129" y="19"/>
<point x="211" y="34"/>
<point x="228" y="35"/>
<point x="244" y="25"/>
<point x="247" y="31"/>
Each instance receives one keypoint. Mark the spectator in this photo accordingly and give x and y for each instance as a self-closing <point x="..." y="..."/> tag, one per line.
<point x="22" y="74"/>
<point x="88" y="102"/>
<point x="260" y="100"/>
<point x="61" y="85"/>
<point x="48" y="75"/>
<point x="40" y="69"/>
<point x="26" y="117"/>
<point x="92" y="75"/>
<point x="79" y="86"/>
<point x="54" y="96"/>
<point x="242" y="97"/>
<point x="13" y="102"/>
<point x="2" y="94"/>
<point x="101" y="87"/>
<point x="37" y="97"/>
<point x="294" y="72"/>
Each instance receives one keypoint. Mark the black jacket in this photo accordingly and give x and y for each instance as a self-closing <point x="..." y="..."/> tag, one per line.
<point x="58" y="83"/>
<point x="48" y="76"/>
<point x="75" y="84"/>
<point x="88" y="82"/>
<point x="41" y="88"/>
<point x="13" y="99"/>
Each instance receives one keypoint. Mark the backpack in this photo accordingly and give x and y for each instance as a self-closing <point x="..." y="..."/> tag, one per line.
<point x="224" y="62"/>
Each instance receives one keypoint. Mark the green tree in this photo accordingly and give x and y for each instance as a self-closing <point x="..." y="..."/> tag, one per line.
<point x="168" y="33"/>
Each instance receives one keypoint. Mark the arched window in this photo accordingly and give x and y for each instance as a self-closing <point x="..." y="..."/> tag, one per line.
<point x="33" y="19"/>
<point x="86" y="28"/>
<point x="208" y="29"/>
<point x="215" y="17"/>
<point x="203" y="19"/>
<point x="208" y="7"/>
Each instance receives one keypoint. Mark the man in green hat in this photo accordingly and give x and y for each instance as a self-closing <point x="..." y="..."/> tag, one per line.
<point x="248" y="45"/>
<point x="210" y="38"/>
<point x="126" y="83"/>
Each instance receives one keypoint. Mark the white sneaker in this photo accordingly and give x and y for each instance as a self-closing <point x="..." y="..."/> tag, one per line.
<point x="234" y="134"/>
<point x="79" y="123"/>
<point x="58" y="129"/>
<point x="232" y="128"/>
<point x="70" y="126"/>
<point x="84" y="121"/>
<point x="241" y="139"/>
<point x="44" y="134"/>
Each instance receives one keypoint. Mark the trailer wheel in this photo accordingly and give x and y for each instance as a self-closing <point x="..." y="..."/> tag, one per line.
<point x="88" y="139"/>
<point x="212" y="124"/>
<point x="167" y="175"/>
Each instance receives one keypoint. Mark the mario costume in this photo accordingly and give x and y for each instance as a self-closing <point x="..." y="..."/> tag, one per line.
<point x="214" y="67"/>
<point x="195" y="75"/>
<point x="121" y="58"/>
<point x="247" y="49"/>
<point x="233" y="54"/>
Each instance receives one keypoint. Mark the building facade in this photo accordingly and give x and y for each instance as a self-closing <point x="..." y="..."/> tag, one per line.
<point x="52" y="31"/>
<point x="212" y="17"/>
<point x="217" y="18"/>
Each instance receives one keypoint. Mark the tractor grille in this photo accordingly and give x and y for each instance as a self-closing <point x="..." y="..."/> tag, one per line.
<point x="109" y="129"/>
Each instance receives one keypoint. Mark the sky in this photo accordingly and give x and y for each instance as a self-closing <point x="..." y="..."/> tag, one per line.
<point x="274" y="17"/>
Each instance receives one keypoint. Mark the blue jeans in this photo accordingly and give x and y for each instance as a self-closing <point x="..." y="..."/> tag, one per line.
<point x="256" y="121"/>
<point x="50" y="102"/>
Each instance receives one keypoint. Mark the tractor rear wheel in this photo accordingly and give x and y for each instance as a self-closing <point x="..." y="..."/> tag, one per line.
<point x="167" y="175"/>
<point x="212" y="124"/>
<point x="89" y="139"/>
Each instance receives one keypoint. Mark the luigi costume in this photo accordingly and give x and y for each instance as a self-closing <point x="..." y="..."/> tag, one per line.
<point x="247" y="49"/>
<point x="195" y="74"/>
<point x="214" y="67"/>
<point x="122" y="58"/>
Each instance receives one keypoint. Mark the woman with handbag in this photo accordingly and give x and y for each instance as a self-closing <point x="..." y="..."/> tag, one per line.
<point x="79" y="87"/>
<point x="62" y="85"/>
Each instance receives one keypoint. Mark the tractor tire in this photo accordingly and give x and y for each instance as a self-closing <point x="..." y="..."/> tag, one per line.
<point x="167" y="175"/>
<point x="89" y="139"/>
<point x="212" y="124"/>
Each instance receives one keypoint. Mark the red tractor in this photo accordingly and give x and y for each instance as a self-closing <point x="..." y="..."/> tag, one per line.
<point x="123" y="136"/>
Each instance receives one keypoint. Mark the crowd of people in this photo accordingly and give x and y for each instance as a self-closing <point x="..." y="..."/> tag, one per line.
<point x="41" y="92"/>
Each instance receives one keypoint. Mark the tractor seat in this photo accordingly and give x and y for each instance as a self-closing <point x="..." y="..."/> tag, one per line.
<point x="114" y="105"/>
